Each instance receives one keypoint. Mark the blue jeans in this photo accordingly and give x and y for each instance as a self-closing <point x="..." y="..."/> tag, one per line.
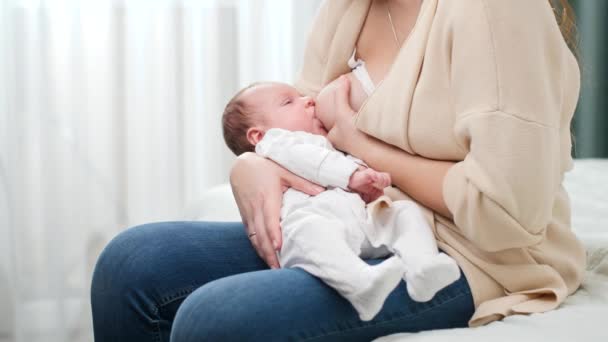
<point x="203" y="281"/>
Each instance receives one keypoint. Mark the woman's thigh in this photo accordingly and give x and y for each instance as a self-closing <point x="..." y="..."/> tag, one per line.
<point x="292" y="305"/>
<point x="144" y="274"/>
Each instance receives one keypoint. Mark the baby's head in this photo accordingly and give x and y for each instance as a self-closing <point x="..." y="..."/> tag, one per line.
<point x="262" y="106"/>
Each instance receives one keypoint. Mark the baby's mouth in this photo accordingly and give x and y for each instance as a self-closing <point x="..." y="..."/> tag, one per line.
<point x="318" y="121"/>
<point x="321" y="126"/>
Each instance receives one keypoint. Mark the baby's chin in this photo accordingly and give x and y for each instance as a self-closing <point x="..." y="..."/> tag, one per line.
<point x="320" y="129"/>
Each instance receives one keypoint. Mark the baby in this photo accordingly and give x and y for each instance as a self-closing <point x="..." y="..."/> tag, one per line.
<point x="328" y="235"/>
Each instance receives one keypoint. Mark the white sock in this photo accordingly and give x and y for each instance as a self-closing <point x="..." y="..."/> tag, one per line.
<point x="428" y="277"/>
<point x="381" y="280"/>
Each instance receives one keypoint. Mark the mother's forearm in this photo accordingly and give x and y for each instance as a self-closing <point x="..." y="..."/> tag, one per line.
<point x="419" y="177"/>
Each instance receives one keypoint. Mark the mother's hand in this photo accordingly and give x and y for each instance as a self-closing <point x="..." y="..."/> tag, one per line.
<point x="258" y="185"/>
<point x="343" y="130"/>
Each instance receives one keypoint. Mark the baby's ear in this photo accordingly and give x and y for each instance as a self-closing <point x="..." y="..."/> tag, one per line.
<point x="254" y="135"/>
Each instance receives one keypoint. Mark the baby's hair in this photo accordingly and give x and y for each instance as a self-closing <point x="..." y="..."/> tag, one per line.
<point x="236" y="120"/>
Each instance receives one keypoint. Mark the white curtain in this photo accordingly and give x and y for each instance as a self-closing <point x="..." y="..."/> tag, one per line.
<point x="109" y="118"/>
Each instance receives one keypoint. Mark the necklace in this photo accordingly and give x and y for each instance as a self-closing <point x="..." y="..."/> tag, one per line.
<point x="390" y="19"/>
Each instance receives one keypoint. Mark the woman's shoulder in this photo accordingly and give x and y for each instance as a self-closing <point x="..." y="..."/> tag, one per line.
<point x="518" y="52"/>
<point x="336" y="4"/>
<point x="526" y="14"/>
<point x="502" y="28"/>
<point x="329" y="15"/>
<point x="332" y="12"/>
<point x="334" y="9"/>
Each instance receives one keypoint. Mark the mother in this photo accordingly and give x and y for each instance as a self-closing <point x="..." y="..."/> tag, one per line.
<point x="471" y="117"/>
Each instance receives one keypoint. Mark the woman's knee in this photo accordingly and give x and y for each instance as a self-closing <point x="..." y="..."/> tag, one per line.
<point x="128" y="258"/>
<point x="174" y="255"/>
<point x="211" y="313"/>
<point x="245" y="307"/>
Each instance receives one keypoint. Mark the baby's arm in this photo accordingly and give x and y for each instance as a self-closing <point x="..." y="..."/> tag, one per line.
<point x="307" y="155"/>
<point x="312" y="157"/>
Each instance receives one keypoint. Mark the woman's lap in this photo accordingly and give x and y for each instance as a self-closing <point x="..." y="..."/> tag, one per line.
<point x="145" y="274"/>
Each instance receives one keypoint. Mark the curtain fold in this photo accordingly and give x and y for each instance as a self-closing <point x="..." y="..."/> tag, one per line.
<point x="109" y="118"/>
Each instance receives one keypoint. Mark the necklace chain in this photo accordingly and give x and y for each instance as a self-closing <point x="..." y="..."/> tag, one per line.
<point x="390" y="19"/>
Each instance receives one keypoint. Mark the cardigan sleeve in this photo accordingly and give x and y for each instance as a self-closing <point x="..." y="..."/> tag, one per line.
<point x="507" y="78"/>
<point x="501" y="195"/>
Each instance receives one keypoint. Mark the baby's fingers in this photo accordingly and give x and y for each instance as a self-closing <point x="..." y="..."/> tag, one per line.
<point x="384" y="180"/>
<point x="373" y="195"/>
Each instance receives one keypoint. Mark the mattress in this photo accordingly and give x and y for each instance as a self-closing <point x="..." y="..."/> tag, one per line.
<point x="582" y="317"/>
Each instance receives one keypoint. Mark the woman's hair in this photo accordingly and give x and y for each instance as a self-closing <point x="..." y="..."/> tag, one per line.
<point x="566" y="20"/>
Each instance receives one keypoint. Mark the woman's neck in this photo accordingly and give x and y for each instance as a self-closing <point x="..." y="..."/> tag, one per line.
<point x="376" y="44"/>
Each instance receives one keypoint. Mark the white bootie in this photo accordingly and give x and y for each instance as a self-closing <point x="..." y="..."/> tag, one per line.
<point x="380" y="280"/>
<point x="429" y="276"/>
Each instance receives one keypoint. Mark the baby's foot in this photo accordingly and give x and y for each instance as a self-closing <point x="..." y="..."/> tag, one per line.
<point x="381" y="280"/>
<point x="426" y="279"/>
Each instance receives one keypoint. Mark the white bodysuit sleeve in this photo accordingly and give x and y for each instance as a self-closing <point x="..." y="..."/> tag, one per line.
<point x="307" y="155"/>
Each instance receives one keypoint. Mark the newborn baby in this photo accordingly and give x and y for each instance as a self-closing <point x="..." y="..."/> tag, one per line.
<point x="328" y="234"/>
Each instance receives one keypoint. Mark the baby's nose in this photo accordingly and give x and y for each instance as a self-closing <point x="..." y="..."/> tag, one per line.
<point x="309" y="101"/>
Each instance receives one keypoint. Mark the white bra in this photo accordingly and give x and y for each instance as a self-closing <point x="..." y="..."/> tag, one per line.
<point x="360" y="72"/>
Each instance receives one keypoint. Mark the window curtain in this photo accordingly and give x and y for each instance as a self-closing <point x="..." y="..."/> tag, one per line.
<point x="591" y="118"/>
<point x="109" y="118"/>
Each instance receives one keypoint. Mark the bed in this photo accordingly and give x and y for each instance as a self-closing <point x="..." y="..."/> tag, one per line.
<point x="581" y="317"/>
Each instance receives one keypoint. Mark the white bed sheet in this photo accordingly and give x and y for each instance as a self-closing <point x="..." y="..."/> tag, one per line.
<point x="582" y="317"/>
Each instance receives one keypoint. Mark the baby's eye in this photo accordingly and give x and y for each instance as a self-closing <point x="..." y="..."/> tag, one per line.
<point x="286" y="102"/>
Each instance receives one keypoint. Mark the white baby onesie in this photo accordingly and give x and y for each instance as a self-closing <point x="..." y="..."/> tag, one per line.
<point x="328" y="234"/>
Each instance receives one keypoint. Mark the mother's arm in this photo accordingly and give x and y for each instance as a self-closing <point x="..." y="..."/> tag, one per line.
<point x="258" y="185"/>
<point x="512" y="99"/>
<point x="420" y="178"/>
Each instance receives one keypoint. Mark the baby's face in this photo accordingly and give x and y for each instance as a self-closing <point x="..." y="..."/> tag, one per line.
<point x="281" y="106"/>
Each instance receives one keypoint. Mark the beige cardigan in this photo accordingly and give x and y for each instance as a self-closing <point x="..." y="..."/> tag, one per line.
<point x="492" y="85"/>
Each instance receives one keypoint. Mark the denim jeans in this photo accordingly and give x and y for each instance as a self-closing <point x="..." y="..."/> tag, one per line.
<point x="203" y="281"/>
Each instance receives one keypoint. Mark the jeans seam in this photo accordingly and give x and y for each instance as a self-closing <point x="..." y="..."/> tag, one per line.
<point x="157" y="335"/>
<point x="390" y="320"/>
<point x="183" y="293"/>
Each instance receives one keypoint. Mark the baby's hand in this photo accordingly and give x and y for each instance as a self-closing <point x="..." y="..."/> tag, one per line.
<point x="369" y="183"/>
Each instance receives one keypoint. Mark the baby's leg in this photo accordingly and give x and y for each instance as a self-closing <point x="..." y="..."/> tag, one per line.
<point x="318" y="244"/>
<point x="404" y="231"/>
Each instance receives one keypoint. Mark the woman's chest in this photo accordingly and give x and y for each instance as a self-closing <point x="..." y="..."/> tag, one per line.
<point x="431" y="116"/>
<point x="430" y="124"/>
<point x="411" y="107"/>
<point x="421" y="122"/>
